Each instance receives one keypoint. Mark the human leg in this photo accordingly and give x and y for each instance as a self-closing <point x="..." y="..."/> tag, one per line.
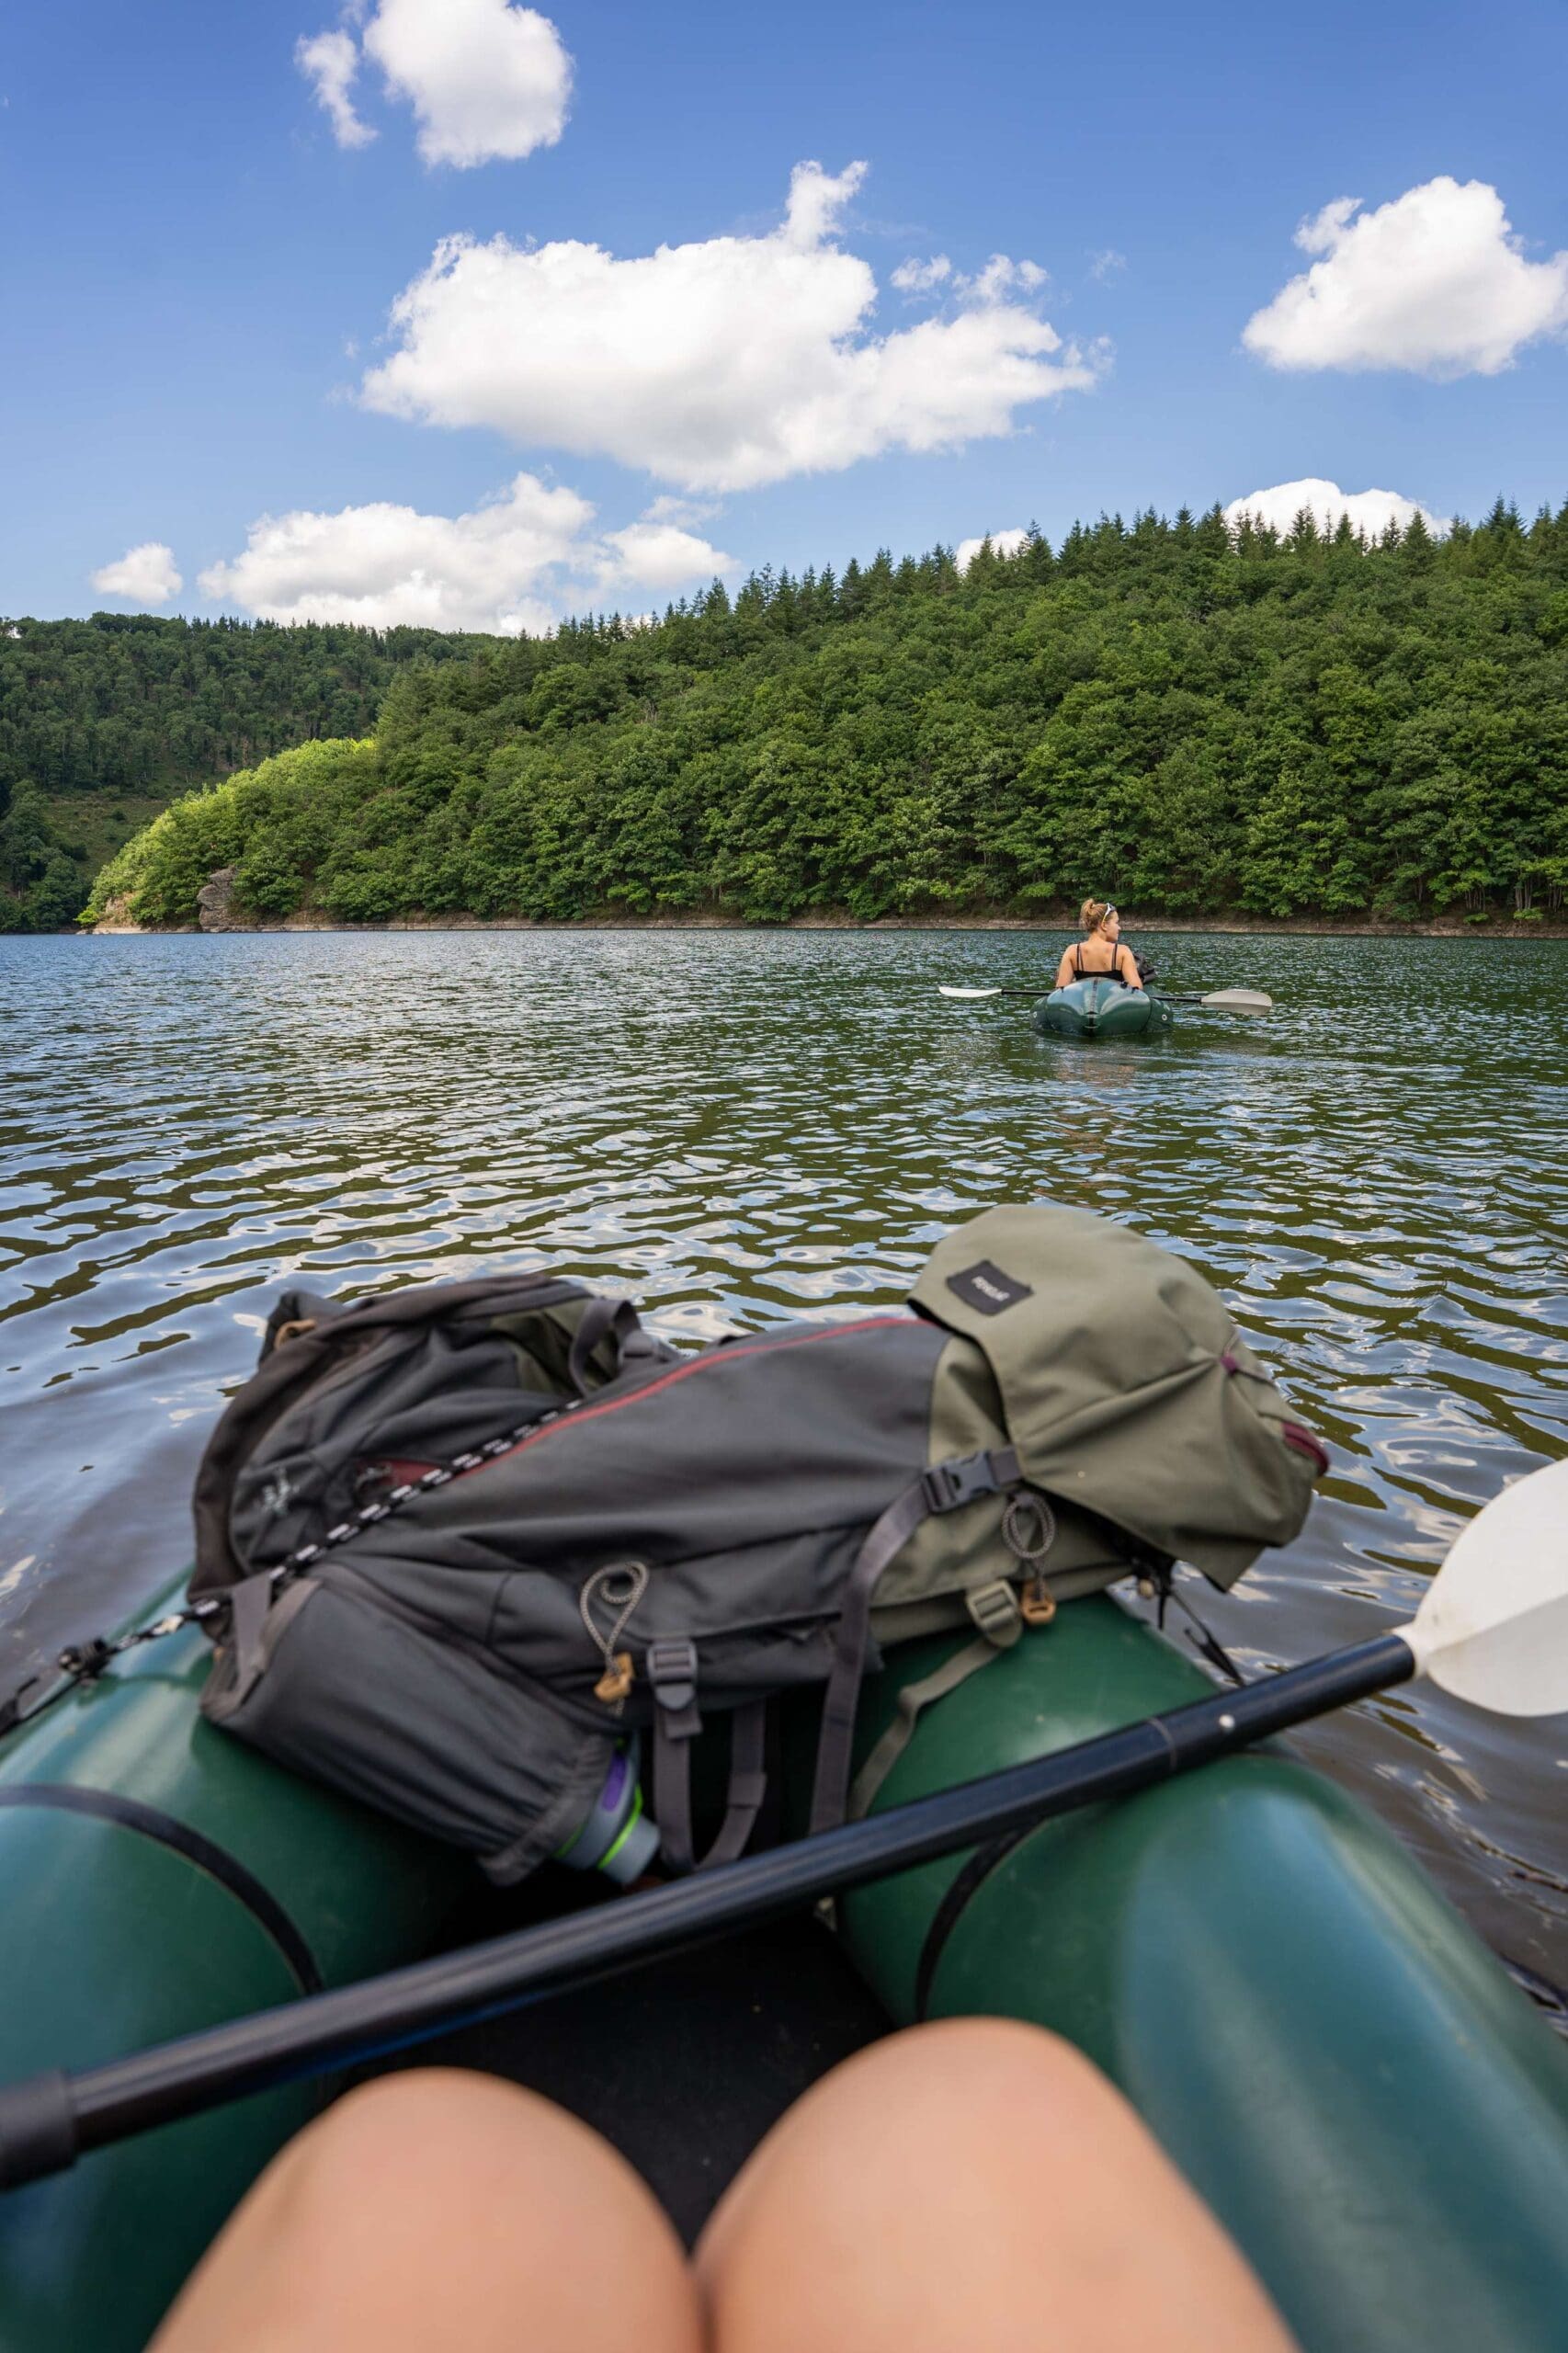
<point x="439" y="2208"/>
<point x="973" y="2184"/>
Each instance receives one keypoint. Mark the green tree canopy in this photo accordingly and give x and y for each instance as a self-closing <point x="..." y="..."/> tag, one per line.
<point x="1189" y="719"/>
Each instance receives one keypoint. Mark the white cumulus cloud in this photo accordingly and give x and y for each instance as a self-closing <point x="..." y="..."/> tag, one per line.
<point x="1435" y="281"/>
<point x="146" y="575"/>
<point x="656" y="555"/>
<point x="719" y="365"/>
<point x="1001" y="544"/>
<point x="329" y="63"/>
<point x="487" y="80"/>
<point x="913" y="276"/>
<point x="668" y="509"/>
<point x="1370" y="511"/>
<point x="1001" y="276"/>
<point x="514" y="565"/>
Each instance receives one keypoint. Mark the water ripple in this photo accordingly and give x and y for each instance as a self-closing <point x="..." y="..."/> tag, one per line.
<point x="743" y="1128"/>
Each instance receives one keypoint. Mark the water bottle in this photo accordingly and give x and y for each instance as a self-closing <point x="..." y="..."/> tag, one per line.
<point x="618" y="1837"/>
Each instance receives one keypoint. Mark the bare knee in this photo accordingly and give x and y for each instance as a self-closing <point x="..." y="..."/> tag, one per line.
<point x="403" y="2152"/>
<point x="970" y="2182"/>
<point x="433" y="2128"/>
<point x="1014" y="2093"/>
<point x="998" y="2068"/>
<point x="444" y="2158"/>
<point x="961" y="2093"/>
<point x="432" y="2207"/>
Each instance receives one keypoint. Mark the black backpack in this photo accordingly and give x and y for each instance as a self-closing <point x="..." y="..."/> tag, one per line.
<point x="472" y="1536"/>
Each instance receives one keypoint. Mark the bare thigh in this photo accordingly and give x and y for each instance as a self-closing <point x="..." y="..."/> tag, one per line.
<point x="442" y="2209"/>
<point x="976" y="2184"/>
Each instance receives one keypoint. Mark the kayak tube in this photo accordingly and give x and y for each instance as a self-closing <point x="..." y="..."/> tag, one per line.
<point x="1374" y="2108"/>
<point x="160" y="1877"/>
<point x="1101" y="1009"/>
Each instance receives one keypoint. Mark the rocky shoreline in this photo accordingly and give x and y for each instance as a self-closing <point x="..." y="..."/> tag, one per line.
<point x="1263" y="926"/>
<point x="218" y="914"/>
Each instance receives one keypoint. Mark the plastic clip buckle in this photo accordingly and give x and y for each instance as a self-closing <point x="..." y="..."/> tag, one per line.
<point x="950" y="1485"/>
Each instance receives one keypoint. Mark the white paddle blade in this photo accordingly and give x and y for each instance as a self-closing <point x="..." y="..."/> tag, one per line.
<point x="1239" y="1001"/>
<point x="942" y="992"/>
<point x="1494" y="1627"/>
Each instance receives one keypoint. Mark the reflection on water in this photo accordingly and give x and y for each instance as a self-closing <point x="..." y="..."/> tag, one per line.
<point x="743" y="1128"/>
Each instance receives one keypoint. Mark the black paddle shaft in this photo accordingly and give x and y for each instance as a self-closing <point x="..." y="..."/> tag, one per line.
<point x="1044" y="988"/>
<point x="49" y="2120"/>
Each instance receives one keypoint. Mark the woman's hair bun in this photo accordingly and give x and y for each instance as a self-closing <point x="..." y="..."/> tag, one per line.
<point x="1093" y="913"/>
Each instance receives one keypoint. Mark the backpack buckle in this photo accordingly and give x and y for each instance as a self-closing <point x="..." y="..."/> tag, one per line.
<point x="950" y="1485"/>
<point x="670" y="1664"/>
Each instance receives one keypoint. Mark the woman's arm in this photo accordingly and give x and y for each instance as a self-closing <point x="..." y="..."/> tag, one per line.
<point x="1064" y="970"/>
<point x="1127" y="966"/>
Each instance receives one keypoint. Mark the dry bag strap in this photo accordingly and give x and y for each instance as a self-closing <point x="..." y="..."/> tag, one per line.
<point x="947" y="1486"/>
<point x="994" y="1610"/>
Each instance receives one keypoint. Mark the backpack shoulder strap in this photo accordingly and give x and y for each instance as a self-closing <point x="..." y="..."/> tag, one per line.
<point x="947" y="1486"/>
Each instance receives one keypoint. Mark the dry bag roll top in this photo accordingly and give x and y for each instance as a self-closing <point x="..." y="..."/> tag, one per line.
<point x="1145" y="1407"/>
<point x="474" y="1537"/>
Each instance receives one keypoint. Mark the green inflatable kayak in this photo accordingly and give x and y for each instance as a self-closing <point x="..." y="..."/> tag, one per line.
<point x="1374" y="2108"/>
<point x="1102" y="1008"/>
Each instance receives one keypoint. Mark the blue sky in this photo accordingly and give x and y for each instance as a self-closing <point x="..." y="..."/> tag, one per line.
<point x="197" y="278"/>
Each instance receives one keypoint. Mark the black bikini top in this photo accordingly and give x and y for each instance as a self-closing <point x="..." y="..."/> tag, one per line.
<point x="1111" y="972"/>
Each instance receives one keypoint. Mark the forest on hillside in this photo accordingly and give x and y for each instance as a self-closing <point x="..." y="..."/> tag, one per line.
<point x="1192" y="719"/>
<point x="98" y="717"/>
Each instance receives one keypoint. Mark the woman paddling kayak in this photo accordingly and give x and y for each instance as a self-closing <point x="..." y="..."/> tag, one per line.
<point x="1100" y="955"/>
<point x="1101" y="988"/>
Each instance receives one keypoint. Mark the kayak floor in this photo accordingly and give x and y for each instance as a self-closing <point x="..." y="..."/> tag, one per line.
<point x="684" y="2064"/>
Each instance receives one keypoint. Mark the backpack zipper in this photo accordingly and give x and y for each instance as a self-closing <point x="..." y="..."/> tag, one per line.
<point x="585" y="1411"/>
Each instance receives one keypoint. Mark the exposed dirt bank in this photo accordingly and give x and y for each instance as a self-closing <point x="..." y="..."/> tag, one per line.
<point x="116" y="922"/>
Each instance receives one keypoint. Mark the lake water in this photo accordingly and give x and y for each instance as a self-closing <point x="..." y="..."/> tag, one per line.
<point x="743" y="1128"/>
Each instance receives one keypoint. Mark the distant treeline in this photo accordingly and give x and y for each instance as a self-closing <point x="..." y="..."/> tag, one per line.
<point x="1190" y="719"/>
<point x="133" y="707"/>
<point x="124" y="703"/>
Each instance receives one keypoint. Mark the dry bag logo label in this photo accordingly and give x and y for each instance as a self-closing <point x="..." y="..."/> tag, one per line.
<point x="986" y="1287"/>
